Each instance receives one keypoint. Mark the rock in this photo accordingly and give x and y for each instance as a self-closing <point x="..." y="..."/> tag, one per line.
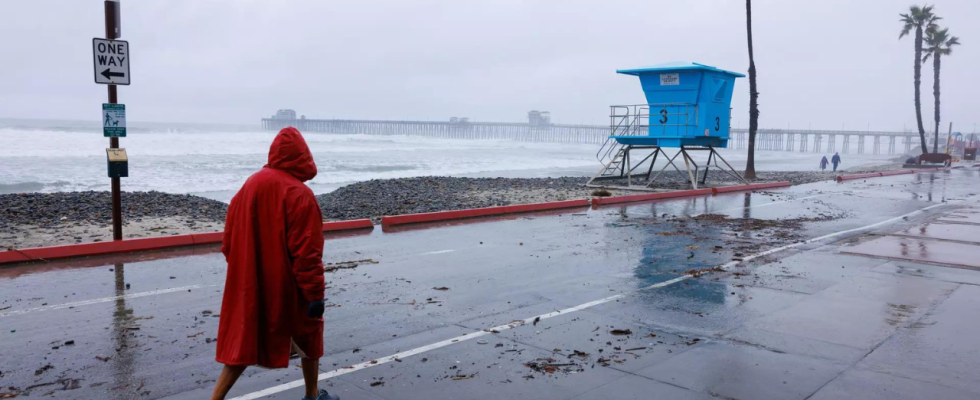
<point x="56" y="210"/>
<point x="379" y="197"/>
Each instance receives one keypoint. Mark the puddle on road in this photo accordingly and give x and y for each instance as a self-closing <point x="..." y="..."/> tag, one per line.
<point x="677" y="245"/>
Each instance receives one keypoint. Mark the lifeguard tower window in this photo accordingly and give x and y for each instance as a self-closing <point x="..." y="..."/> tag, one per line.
<point x="720" y="91"/>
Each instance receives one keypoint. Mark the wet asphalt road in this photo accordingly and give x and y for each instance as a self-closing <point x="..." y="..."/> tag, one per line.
<point x="808" y="322"/>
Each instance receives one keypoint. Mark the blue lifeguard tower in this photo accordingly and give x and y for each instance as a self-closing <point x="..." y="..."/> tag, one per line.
<point x="688" y="107"/>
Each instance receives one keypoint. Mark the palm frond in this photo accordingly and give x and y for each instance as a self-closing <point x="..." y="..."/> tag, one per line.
<point x="909" y="24"/>
<point x="952" y="41"/>
<point x="905" y="31"/>
<point x="936" y="37"/>
<point x="919" y="18"/>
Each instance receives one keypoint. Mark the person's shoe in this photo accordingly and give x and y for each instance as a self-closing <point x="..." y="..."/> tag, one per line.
<point x="323" y="395"/>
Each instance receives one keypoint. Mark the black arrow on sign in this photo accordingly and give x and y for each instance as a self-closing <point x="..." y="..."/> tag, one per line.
<point x="109" y="74"/>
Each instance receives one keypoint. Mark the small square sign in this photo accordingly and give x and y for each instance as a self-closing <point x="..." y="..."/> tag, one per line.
<point x="113" y="120"/>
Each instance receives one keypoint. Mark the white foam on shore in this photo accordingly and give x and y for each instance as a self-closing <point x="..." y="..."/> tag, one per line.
<point x="214" y="162"/>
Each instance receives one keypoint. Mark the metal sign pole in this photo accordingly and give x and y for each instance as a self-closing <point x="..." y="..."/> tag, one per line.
<point x="949" y="135"/>
<point x="111" y="33"/>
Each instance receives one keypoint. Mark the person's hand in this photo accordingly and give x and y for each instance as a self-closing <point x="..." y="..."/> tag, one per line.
<point x="315" y="309"/>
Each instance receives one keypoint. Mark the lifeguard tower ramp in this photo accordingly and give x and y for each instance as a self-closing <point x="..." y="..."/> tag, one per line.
<point x="688" y="108"/>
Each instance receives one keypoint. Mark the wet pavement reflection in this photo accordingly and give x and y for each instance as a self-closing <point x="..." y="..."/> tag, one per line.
<point x="123" y="326"/>
<point x="803" y="316"/>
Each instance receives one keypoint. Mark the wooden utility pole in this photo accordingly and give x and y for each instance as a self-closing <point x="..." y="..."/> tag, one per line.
<point x="112" y="32"/>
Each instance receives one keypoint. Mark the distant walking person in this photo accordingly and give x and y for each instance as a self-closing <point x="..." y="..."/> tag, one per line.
<point x="273" y="243"/>
<point x="823" y="163"/>
<point x="835" y="160"/>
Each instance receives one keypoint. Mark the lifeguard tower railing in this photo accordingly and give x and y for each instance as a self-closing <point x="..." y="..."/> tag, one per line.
<point x="669" y="119"/>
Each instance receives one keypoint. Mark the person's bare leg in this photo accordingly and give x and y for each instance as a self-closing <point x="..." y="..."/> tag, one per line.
<point x="311" y="369"/>
<point x="227" y="379"/>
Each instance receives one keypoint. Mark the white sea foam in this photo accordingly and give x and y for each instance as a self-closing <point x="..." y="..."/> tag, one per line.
<point x="215" y="160"/>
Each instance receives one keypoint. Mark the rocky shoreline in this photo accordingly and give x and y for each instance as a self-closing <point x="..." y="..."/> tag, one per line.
<point x="376" y="198"/>
<point x="49" y="219"/>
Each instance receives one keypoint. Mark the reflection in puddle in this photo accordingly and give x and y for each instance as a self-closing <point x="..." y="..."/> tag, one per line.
<point x="121" y="357"/>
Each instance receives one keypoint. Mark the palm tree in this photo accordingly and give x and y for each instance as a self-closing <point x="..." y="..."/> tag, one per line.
<point x="753" y="98"/>
<point x="919" y="19"/>
<point x="940" y="44"/>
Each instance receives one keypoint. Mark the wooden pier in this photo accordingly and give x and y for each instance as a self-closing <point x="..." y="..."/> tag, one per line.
<point x="812" y="141"/>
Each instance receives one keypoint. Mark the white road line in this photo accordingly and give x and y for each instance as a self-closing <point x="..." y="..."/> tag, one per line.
<point x="437" y="252"/>
<point x="103" y="300"/>
<point x="473" y="335"/>
<point x="447" y="342"/>
<point x="830" y="235"/>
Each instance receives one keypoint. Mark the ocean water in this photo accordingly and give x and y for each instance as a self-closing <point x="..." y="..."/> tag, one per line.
<point x="214" y="160"/>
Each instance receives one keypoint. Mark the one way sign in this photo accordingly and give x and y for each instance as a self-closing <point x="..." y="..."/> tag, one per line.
<point x="111" y="60"/>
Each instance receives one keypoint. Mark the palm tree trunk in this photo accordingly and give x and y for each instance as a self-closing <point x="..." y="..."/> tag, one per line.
<point x="753" y="98"/>
<point x="918" y="82"/>
<point x="935" y="92"/>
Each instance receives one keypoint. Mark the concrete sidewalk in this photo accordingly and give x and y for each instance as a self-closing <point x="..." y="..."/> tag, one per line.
<point x="847" y="316"/>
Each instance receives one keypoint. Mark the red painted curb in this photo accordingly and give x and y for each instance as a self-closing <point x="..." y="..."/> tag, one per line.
<point x="143" y="244"/>
<point x="206" y="238"/>
<point x="91" y="249"/>
<point x="842" y="178"/>
<point x="649" y="196"/>
<point x="347" y="225"/>
<point x="23" y="268"/>
<point x="899" y="172"/>
<point x="753" y="186"/>
<point x="479" y="212"/>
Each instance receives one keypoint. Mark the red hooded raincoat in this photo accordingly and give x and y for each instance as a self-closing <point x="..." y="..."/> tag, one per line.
<point x="273" y="242"/>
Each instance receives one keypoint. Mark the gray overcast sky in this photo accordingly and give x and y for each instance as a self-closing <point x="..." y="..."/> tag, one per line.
<point x="829" y="63"/>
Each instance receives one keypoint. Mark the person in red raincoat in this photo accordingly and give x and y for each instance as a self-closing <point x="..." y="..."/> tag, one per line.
<point x="273" y="243"/>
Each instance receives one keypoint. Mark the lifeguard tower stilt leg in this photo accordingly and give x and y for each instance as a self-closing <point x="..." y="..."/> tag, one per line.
<point x="688" y="107"/>
<point x="713" y="155"/>
<point x="620" y="166"/>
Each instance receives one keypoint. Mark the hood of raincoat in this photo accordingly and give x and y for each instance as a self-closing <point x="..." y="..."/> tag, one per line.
<point x="290" y="153"/>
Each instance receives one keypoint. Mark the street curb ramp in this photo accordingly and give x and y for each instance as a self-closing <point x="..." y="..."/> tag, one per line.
<point x="686" y="193"/>
<point x="479" y="212"/>
<point x="842" y="178"/>
<point x="753" y="186"/>
<point x="899" y="172"/>
<point x="649" y="196"/>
